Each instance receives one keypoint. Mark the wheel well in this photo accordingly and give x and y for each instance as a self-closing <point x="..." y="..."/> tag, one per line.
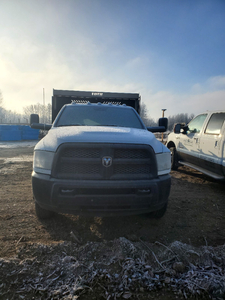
<point x="170" y="144"/>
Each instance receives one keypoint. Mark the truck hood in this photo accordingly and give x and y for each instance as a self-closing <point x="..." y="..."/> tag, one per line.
<point x="94" y="134"/>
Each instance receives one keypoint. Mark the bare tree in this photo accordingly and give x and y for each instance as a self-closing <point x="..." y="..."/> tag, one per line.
<point x="148" y="121"/>
<point x="179" y="118"/>
<point x="1" y="100"/>
<point x="44" y="111"/>
<point x="1" y="108"/>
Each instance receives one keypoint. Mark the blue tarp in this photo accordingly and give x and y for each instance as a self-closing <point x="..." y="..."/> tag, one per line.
<point x="18" y="133"/>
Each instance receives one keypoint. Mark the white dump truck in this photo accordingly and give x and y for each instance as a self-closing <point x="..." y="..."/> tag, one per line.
<point x="99" y="158"/>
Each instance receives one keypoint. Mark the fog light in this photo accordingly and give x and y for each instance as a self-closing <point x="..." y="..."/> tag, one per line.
<point x="144" y="191"/>
<point x="67" y="191"/>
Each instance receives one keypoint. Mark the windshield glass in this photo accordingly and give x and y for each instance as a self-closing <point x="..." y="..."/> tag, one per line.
<point x="94" y="115"/>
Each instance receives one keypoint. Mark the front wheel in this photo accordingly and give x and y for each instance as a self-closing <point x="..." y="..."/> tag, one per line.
<point x="42" y="213"/>
<point x="158" y="214"/>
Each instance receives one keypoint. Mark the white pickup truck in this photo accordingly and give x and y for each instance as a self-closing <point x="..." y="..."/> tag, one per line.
<point x="200" y="144"/>
<point x="99" y="158"/>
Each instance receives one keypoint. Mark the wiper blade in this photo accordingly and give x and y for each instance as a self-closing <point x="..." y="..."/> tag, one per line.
<point x="110" y="125"/>
<point x="70" y="125"/>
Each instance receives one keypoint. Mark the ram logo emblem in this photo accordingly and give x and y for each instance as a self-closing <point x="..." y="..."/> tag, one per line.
<point x="107" y="161"/>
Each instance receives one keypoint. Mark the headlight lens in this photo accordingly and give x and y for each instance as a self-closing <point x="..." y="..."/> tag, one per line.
<point x="164" y="163"/>
<point x="43" y="161"/>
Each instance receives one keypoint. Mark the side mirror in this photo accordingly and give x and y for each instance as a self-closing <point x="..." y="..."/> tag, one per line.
<point x="184" y="129"/>
<point x="34" y="118"/>
<point x="34" y="123"/>
<point x="177" y="128"/>
<point x="163" y="124"/>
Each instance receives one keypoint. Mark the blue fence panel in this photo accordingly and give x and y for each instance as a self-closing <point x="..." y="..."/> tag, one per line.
<point x="10" y="135"/>
<point x="18" y="133"/>
<point x="29" y="133"/>
<point x="9" y="127"/>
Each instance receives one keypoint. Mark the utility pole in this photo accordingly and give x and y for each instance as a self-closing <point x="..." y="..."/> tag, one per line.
<point x="43" y="105"/>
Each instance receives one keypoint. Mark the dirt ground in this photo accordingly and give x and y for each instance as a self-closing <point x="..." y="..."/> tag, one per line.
<point x="195" y="214"/>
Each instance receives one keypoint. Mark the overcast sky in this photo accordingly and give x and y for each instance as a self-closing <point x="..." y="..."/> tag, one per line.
<point x="172" y="52"/>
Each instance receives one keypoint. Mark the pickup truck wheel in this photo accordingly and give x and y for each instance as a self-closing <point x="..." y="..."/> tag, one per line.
<point x="174" y="158"/>
<point x="158" y="214"/>
<point x="43" y="213"/>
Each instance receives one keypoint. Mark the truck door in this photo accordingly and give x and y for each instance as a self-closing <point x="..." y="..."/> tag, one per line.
<point x="212" y="144"/>
<point x="189" y="144"/>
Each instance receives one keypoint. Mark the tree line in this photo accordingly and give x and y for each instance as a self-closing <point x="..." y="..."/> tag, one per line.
<point x="172" y="120"/>
<point x="45" y="115"/>
<point x="13" y="117"/>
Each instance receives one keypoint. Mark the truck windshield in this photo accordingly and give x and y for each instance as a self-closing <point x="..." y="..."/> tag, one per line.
<point x="94" y="115"/>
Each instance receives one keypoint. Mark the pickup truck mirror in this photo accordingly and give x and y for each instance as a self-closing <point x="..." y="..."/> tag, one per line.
<point x="177" y="128"/>
<point x="180" y="128"/>
<point x="184" y="129"/>
<point x="34" y="123"/>
<point x="163" y="124"/>
<point x="34" y="118"/>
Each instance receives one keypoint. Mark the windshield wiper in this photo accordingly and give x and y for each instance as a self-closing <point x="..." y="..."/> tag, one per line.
<point x="112" y="125"/>
<point x="109" y="125"/>
<point x="62" y="125"/>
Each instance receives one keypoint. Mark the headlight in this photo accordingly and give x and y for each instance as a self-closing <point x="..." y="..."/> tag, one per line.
<point x="163" y="163"/>
<point x="43" y="161"/>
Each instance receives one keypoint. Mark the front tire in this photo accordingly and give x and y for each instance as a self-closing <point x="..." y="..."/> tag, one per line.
<point x="42" y="213"/>
<point x="158" y="214"/>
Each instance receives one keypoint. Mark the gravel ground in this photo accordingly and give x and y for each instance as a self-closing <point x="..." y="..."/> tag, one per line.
<point x="70" y="257"/>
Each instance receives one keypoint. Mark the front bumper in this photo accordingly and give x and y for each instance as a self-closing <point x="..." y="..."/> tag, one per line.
<point x="101" y="197"/>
